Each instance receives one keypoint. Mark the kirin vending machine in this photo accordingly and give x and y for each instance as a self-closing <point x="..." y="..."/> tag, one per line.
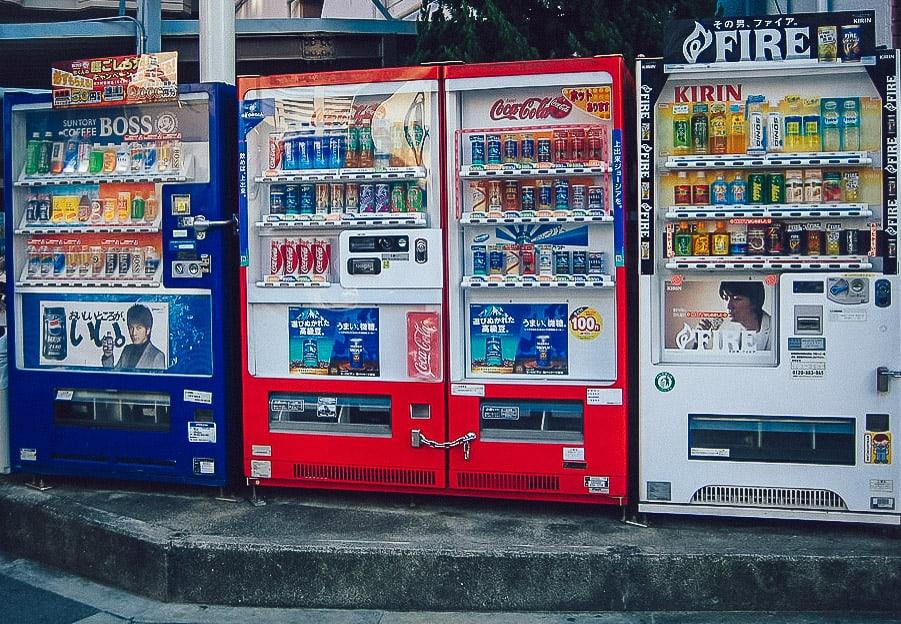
<point x="768" y="285"/>
<point x="342" y="279"/>
<point x="119" y="236"/>
<point x="537" y="309"/>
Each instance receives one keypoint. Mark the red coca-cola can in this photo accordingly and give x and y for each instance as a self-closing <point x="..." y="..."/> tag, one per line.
<point x="304" y="257"/>
<point x="578" y="146"/>
<point x="322" y="251"/>
<point x="276" y="256"/>
<point x="290" y="255"/>
<point x="562" y="147"/>
<point x="276" y="149"/>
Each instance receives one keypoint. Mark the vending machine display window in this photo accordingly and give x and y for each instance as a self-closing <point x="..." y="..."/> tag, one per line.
<point x="145" y="411"/>
<point x="771" y="439"/>
<point x="351" y="414"/>
<point x="537" y="421"/>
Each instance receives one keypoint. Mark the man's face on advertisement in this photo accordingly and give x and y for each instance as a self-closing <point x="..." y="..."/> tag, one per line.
<point x="139" y="333"/>
<point x="740" y="309"/>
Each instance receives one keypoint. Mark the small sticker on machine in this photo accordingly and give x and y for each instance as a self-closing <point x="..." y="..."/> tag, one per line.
<point x="202" y="432"/>
<point x="204" y="466"/>
<point x="260" y="450"/>
<point x="261" y="469"/>
<point x="468" y="390"/>
<point x="598" y="485"/>
<point x="604" y="396"/>
<point x="573" y="453"/>
<point x="709" y="452"/>
<point x="64" y="395"/>
<point x="27" y="454"/>
<point x="882" y="485"/>
<point x="198" y="396"/>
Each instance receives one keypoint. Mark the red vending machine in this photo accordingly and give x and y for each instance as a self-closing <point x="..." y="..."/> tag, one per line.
<point x="342" y="279"/>
<point x="537" y="288"/>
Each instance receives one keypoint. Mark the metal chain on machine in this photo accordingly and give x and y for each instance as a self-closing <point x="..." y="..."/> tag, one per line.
<point x="418" y="439"/>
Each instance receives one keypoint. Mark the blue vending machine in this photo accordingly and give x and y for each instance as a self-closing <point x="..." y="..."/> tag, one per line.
<point x="121" y="250"/>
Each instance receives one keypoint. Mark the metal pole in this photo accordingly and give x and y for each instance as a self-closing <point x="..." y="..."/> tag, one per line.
<point x="822" y="6"/>
<point x="217" y="41"/>
<point x="151" y="18"/>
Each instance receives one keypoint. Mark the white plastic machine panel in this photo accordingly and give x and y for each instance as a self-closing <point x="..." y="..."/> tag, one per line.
<point x="391" y="259"/>
<point x="532" y="295"/>
<point x="827" y="428"/>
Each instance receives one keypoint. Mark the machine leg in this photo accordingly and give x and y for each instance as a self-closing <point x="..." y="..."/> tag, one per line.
<point x="254" y="500"/>
<point x="38" y="485"/>
<point x="226" y="497"/>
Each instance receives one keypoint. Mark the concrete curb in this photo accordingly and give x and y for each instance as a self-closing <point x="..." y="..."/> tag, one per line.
<point x="180" y="566"/>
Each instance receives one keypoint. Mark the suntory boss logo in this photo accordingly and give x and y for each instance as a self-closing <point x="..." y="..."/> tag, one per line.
<point x="531" y="108"/>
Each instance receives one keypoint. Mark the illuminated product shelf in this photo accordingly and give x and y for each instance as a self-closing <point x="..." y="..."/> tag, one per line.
<point x="343" y="175"/>
<point x="769" y="263"/>
<point x="534" y="281"/>
<point x="280" y="223"/>
<point x="100" y="281"/>
<point x="297" y="283"/>
<point x="486" y="218"/>
<point x="469" y="172"/>
<point x="59" y="179"/>
<point x="781" y="211"/>
<point x="744" y="161"/>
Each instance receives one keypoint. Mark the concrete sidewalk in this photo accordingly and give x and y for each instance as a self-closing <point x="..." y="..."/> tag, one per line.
<point x="400" y="553"/>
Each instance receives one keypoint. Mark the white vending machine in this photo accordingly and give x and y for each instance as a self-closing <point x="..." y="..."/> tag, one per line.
<point x="768" y="273"/>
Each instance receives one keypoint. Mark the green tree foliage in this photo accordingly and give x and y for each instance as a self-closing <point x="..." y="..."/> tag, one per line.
<point x="510" y="30"/>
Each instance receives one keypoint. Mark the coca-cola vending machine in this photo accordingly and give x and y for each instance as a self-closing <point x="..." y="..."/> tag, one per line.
<point x="342" y="279"/>
<point x="536" y="279"/>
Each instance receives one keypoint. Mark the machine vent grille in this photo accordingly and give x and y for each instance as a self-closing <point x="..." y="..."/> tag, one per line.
<point x="502" y="481"/>
<point x="783" y="498"/>
<point x="357" y="474"/>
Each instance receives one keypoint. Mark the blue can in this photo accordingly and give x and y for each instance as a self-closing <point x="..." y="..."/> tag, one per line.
<point x="304" y="150"/>
<point x="336" y="151"/>
<point x="310" y="357"/>
<point x="479" y="260"/>
<point x="292" y="199"/>
<point x="307" y="199"/>
<point x="494" y="352"/>
<point x="320" y="151"/>
<point x="527" y="149"/>
<point x="496" y="260"/>
<point x="477" y="147"/>
<point x="291" y="156"/>
<point x="511" y="148"/>
<point x="561" y="195"/>
<point x="562" y="262"/>
<point x="494" y="149"/>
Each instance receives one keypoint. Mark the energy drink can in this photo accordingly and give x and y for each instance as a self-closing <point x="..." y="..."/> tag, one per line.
<point x="545" y="194"/>
<point x="382" y="198"/>
<point x="577" y="199"/>
<point x="352" y="197"/>
<point x="307" y="199"/>
<point x="55" y="341"/>
<point x="398" y="197"/>
<point x="124" y="261"/>
<point x="850" y="48"/>
<point x="110" y="263"/>
<point x="562" y="262"/>
<point x="493" y="151"/>
<point x="477" y="149"/>
<point x="323" y="198"/>
<point x="579" y="262"/>
<point x="415" y="198"/>
<point x="277" y="200"/>
<point x="479" y="260"/>
<point x="337" y="191"/>
<point x="367" y="198"/>
<point x="827" y="43"/>
<point x="496" y="260"/>
<point x="527" y="262"/>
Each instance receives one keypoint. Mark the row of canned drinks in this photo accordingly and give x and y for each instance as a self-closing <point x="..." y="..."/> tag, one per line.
<point x="349" y="198"/>
<point x="290" y="258"/>
<point x="531" y="259"/>
<point x="92" y="262"/>
<point x="528" y="149"/>
<point x="532" y="195"/>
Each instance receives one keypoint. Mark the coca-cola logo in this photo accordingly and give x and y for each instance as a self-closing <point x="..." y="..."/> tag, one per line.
<point x="531" y="108"/>
<point x="423" y="346"/>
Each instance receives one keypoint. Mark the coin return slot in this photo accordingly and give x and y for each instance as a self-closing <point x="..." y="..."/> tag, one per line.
<point x="420" y="411"/>
<point x="809" y="320"/>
